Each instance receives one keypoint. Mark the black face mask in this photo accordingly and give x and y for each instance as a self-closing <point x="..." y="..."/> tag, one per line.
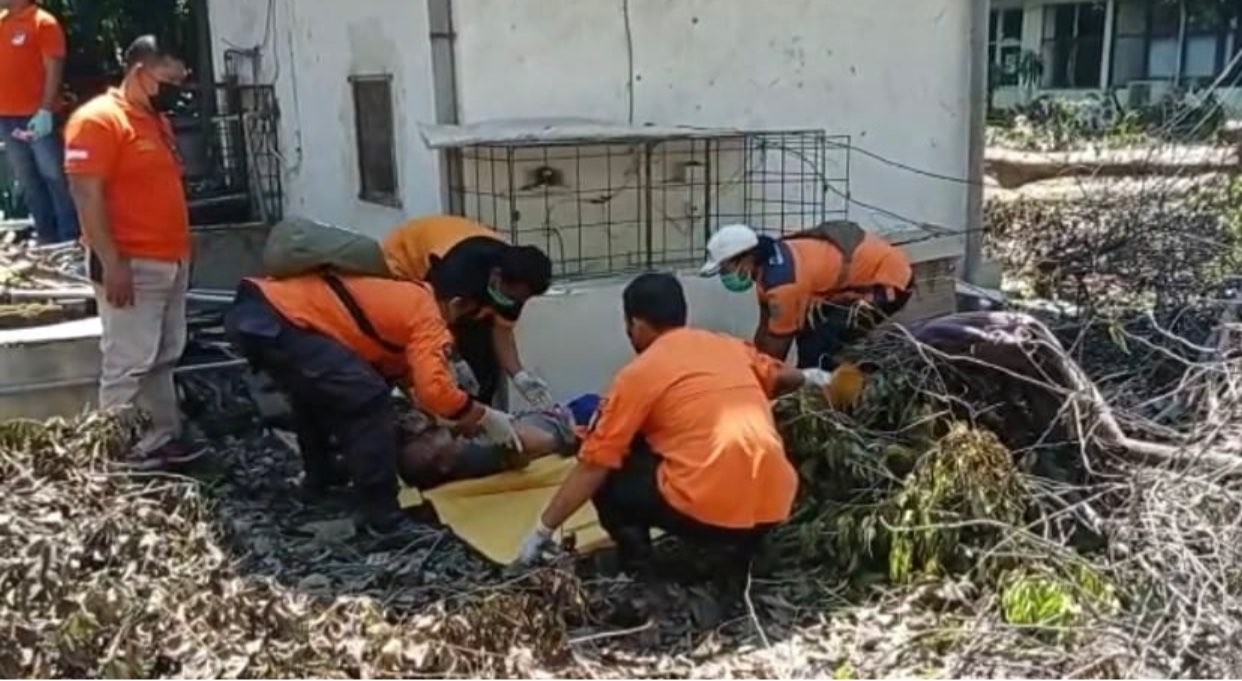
<point x="165" y="100"/>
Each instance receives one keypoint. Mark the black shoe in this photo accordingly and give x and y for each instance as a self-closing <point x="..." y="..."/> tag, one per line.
<point x="380" y="515"/>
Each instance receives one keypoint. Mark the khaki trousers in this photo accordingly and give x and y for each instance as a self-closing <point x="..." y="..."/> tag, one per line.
<point x="141" y="345"/>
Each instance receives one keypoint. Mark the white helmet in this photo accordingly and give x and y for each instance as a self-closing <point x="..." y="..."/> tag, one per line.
<point x="728" y="242"/>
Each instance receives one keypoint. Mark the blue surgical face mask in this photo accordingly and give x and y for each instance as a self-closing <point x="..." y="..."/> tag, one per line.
<point x="736" y="282"/>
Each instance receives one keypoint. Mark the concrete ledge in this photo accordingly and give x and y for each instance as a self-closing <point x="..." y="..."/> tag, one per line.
<point x="224" y="254"/>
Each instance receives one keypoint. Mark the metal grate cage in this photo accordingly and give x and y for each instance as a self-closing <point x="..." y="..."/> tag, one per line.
<point x="231" y="154"/>
<point x="618" y="204"/>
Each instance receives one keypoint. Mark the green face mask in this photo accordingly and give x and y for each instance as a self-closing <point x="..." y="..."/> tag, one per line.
<point x="499" y="297"/>
<point x="737" y="282"/>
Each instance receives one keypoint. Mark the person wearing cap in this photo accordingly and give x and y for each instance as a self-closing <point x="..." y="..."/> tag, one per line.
<point x="463" y="250"/>
<point x="32" y="60"/>
<point x="126" y="179"/>
<point x="684" y="440"/>
<point x="335" y="345"/>
<point x="823" y="288"/>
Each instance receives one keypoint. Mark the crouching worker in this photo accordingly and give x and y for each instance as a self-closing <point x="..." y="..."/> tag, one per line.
<point x="825" y="287"/>
<point x="685" y="439"/>
<point x="464" y="252"/>
<point x="333" y="344"/>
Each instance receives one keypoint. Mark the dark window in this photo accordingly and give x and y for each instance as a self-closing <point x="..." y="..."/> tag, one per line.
<point x="1005" y="44"/>
<point x="376" y="139"/>
<point x="1168" y="40"/>
<point x="1073" y="44"/>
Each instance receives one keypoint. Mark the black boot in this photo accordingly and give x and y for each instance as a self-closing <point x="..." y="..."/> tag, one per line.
<point x="379" y="513"/>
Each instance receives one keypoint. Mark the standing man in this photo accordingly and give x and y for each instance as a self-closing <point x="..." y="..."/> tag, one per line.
<point x="32" y="60"/>
<point x="474" y="256"/>
<point x="126" y="178"/>
<point x="685" y="439"/>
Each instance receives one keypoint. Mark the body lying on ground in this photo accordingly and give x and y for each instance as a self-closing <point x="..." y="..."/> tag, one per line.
<point x="471" y="256"/>
<point x="685" y="440"/>
<point x="432" y="454"/>
<point x="824" y="288"/>
<point x="336" y="345"/>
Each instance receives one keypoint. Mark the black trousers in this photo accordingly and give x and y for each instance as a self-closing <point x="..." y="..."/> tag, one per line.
<point x="629" y="505"/>
<point x="335" y="395"/>
<point x="833" y="325"/>
<point x="474" y="343"/>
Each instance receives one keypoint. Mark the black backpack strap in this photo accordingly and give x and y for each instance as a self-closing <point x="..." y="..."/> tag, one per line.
<point x="355" y="310"/>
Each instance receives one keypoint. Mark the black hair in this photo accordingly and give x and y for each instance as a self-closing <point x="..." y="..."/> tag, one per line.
<point x="448" y="285"/>
<point x="656" y="298"/>
<point x="764" y="251"/>
<point x="526" y="265"/>
<point x="145" y="50"/>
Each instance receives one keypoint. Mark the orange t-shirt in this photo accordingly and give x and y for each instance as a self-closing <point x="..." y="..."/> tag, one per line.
<point x="410" y="248"/>
<point x="701" y="401"/>
<point x="807" y="270"/>
<point x="27" y="38"/>
<point x="134" y="152"/>
<point x="404" y="314"/>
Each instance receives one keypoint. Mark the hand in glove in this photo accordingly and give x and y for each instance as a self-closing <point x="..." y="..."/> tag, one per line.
<point x="816" y="378"/>
<point x="841" y="387"/>
<point x="40" y="124"/>
<point x="498" y="427"/>
<point x="534" y="545"/>
<point x="534" y="389"/>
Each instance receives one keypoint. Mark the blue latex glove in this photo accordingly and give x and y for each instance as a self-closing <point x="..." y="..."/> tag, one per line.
<point x="40" y="125"/>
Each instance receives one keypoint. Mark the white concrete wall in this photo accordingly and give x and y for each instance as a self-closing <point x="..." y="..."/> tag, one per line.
<point x="312" y="49"/>
<point x="575" y="337"/>
<point x="891" y="74"/>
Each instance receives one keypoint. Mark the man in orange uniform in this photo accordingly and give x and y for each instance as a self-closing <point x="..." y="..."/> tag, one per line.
<point x="333" y="344"/>
<point x="469" y="253"/>
<point x="685" y="439"/>
<point x="32" y="60"/>
<point x="126" y="180"/>
<point x="826" y="286"/>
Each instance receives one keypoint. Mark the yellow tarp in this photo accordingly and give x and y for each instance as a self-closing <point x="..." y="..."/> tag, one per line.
<point x="494" y="514"/>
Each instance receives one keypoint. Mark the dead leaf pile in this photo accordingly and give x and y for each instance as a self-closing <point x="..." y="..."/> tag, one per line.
<point x="105" y="574"/>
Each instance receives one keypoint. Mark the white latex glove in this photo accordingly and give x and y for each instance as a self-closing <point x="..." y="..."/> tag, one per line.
<point x="534" y="544"/>
<point x="499" y="428"/>
<point x="816" y="378"/>
<point x="534" y="389"/>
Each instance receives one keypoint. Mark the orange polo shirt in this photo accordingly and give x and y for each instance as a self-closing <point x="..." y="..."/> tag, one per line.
<point x="806" y="270"/>
<point x="410" y="248"/>
<point x="27" y="37"/>
<point x="701" y="401"/>
<point x="404" y="314"/>
<point x="134" y="152"/>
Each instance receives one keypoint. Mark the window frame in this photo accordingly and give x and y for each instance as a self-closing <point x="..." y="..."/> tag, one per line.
<point x="367" y="193"/>
<point x="998" y="43"/>
<point x="1228" y="30"/>
<point x="1075" y="40"/>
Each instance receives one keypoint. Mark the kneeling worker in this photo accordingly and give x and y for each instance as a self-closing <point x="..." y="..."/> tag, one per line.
<point x="685" y="439"/>
<point x="467" y="253"/>
<point x="826" y="287"/>
<point x="333" y="344"/>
